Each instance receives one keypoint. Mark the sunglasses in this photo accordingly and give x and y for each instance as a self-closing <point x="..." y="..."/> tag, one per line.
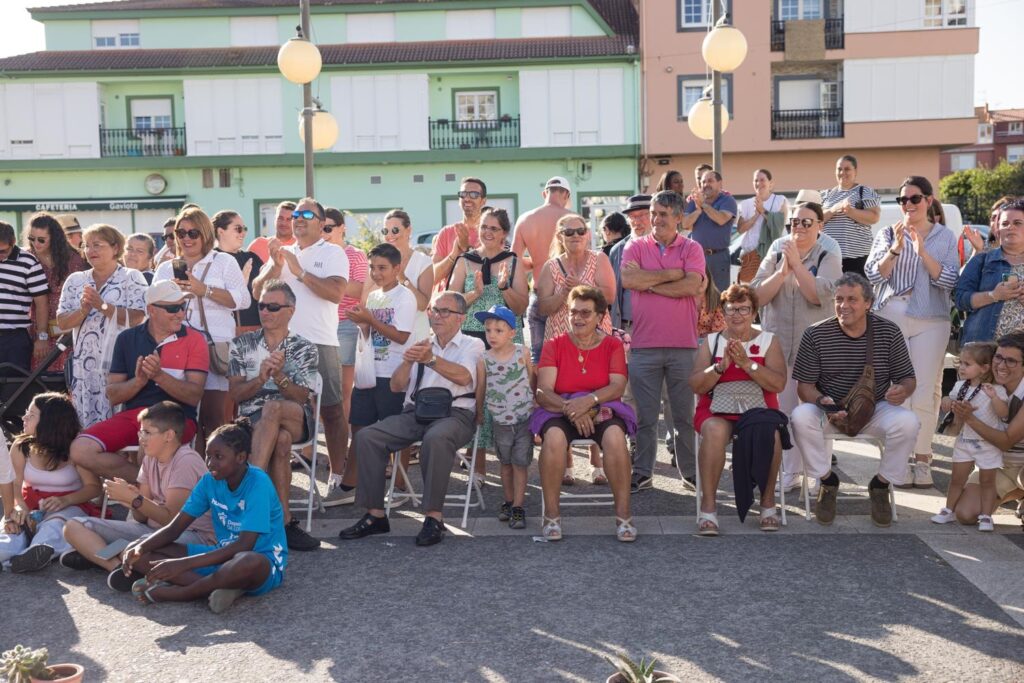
<point x="394" y="230"/>
<point x="569" y="232"/>
<point x="169" y="237"/>
<point x="273" y="308"/>
<point x="307" y="214"/>
<point x="913" y="199"/>
<point x="801" y="223"/>
<point x="172" y="308"/>
<point x="192" y="234"/>
<point x="241" y="229"/>
<point x="470" y="194"/>
<point x="37" y="240"/>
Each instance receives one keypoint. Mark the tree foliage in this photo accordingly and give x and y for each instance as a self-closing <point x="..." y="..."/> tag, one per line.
<point x="975" y="190"/>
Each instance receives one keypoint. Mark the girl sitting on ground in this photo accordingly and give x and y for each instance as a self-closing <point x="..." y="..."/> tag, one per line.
<point x="46" y="483"/>
<point x="251" y="551"/>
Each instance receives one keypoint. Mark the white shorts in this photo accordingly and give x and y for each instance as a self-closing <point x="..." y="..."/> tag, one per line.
<point x="981" y="452"/>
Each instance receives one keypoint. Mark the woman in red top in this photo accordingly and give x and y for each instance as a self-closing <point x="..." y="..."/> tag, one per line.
<point x="580" y="381"/>
<point x="739" y="353"/>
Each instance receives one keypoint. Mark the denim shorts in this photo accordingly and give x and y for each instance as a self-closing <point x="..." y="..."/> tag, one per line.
<point x="348" y="333"/>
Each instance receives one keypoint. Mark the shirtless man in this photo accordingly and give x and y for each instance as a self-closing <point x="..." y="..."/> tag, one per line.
<point x="533" y="234"/>
<point x="455" y="239"/>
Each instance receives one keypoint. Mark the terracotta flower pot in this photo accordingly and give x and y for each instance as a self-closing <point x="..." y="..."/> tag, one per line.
<point x="63" y="673"/>
<point x="617" y="677"/>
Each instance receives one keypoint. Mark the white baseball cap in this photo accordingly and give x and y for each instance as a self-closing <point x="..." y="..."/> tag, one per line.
<point x="559" y="182"/>
<point x="164" y="292"/>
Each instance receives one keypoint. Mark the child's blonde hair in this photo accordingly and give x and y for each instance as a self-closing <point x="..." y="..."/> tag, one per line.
<point x="981" y="352"/>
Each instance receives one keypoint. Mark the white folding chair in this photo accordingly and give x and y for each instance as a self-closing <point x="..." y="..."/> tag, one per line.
<point x="313" y="495"/>
<point x="863" y="438"/>
<point x="568" y="499"/>
<point x="465" y="500"/>
<point x="696" y="467"/>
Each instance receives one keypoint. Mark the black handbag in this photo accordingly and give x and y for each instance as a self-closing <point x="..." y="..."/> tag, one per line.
<point x="432" y="403"/>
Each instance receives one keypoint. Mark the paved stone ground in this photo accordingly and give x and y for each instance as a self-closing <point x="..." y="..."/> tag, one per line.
<point x="848" y="602"/>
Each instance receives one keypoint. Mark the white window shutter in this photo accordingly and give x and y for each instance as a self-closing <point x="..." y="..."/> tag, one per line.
<point x="611" y="106"/>
<point x="199" y="115"/>
<point x="414" y="111"/>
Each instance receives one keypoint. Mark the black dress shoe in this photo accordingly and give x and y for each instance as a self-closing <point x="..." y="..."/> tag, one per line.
<point x="431" y="533"/>
<point x="367" y="526"/>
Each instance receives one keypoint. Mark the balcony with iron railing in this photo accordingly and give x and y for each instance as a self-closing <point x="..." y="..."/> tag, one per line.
<point x="835" y="34"/>
<point x="142" y="142"/>
<point x="456" y="134"/>
<point x="803" y="124"/>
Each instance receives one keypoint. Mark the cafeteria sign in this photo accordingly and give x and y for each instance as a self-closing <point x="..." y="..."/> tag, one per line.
<point x="74" y="205"/>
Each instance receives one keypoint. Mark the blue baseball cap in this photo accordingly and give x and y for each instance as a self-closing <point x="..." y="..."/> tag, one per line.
<point x="497" y="313"/>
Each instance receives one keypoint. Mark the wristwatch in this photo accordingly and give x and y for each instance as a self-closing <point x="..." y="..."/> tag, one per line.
<point x="137" y="502"/>
<point x="43" y="336"/>
<point x="432" y="362"/>
<point x="283" y="382"/>
<point x="754" y="366"/>
<point x="597" y="401"/>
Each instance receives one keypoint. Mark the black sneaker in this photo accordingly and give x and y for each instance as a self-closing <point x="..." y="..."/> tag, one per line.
<point x="367" y="526"/>
<point x="431" y="533"/>
<point x="297" y="537"/>
<point x="640" y="482"/>
<point x="72" y="559"/>
<point x="518" y="518"/>
<point x="121" y="583"/>
<point x="505" y="511"/>
<point x="32" y="560"/>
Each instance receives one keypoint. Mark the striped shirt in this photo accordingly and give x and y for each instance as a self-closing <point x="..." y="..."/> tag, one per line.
<point x="357" y="272"/>
<point x="928" y="297"/>
<point x="1015" y="456"/>
<point x="854" y="238"/>
<point x="21" y="279"/>
<point x="833" y="361"/>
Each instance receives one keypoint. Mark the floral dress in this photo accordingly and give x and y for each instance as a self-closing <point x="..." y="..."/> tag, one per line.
<point x="125" y="288"/>
<point x="491" y="297"/>
<point x="75" y="264"/>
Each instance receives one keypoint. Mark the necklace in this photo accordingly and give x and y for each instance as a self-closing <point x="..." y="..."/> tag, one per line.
<point x="580" y="358"/>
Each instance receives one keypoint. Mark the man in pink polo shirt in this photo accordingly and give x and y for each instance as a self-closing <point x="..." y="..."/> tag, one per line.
<point x="664" y="272"/>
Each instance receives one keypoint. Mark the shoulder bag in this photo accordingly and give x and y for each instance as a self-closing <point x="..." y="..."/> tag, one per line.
<point x="860" y="402"/>
<point x="432" y="403"/>
<point x="220" y="352"/>
<point x="735" y="398"/>
<point x="365" y="371"/>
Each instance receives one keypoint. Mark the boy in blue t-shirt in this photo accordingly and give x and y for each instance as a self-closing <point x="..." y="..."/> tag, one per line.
<point x="251" y="551"/>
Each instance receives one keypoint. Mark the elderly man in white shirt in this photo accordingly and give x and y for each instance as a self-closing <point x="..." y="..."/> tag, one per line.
<point x="448" y="360"/>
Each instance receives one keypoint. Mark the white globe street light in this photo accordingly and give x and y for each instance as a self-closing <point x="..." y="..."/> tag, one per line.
<point x="701" y="118"/>
<point x="724" y="48"/>
<point x="325" y="129"/>
<point x="299" y="60"/>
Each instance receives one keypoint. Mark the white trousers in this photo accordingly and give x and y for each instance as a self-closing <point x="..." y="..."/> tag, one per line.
<point x="792" y="460"/>
<point x="895" y="426"/>
<point x="926" y="339"/>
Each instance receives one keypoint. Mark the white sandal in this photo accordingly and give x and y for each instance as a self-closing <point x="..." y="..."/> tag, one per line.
<point x="711" y="520"/>
<point x="769" y="514"/>
<point x="625" y="531"/>
<point x="552" y="529"/>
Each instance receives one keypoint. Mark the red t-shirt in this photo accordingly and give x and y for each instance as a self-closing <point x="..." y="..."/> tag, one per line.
<point x="602" y="361"/>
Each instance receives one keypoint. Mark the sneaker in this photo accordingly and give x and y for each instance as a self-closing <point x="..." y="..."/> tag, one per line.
<point x="117" y="580"/>
<point x="518" y="520"/>
<point x="908" y="478"/>
<point x="640" y="482"/>
<point x="945" y="516"/>
<point x="985" y="523"/>
<point x="789" y="484"/>
<point x="338" y="496"/>
<point x="881" y="508"/>
<point x="298" y="538"/>
<point x="825" y="509"/>
<point x="505" y="511"/>
<point x="32" y="560"/>
<point x="72" y="559"/>
<point x="922" y="475"/>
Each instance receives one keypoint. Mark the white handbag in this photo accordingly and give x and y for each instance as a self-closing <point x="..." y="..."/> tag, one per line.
<point x="366" y="373"/>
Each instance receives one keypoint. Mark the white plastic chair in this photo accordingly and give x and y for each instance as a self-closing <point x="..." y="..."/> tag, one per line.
<point x="312" y="498"/>
<point x="863" y="438"/>
<point x="465" y="500"/>
<point x="567" y="499"/>
<point x="696" y="467"/>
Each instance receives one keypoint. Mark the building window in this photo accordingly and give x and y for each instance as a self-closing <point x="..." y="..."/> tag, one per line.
<point x="253" y="31"/>
<point x="799" y="9"/>
<point x="224" y="177"/>
<point x="370" y="28"/>
<point x="1015" y="128"/>
<point x="116" y="33"/>
<point x="476" y="105"/>
<point x="1014" y="153"/>
<point x="984" y="133"/>
<point x="939" y="13"/>
<point x="690" y="89"/>
<point x="105" y="41"/>
<point x="695" y="15"/>
<point x="128" y="39"/>
<point x="148" y="114"/>
<point x="962" y="162"/>
<point x="207" y="177"/>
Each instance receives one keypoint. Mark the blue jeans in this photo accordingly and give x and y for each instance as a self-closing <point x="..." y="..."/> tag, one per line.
<point x="649" y="370"/>
<point x="537" y="323"/>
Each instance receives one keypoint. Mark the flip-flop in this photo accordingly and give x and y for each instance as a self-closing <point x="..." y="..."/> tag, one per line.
<point x="142" y="588"/>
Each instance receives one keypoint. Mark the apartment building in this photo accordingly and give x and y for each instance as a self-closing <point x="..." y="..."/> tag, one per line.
<point x="140" y="105"/>
<point x="889" y="81"/>
<point x="1000" y="137"/>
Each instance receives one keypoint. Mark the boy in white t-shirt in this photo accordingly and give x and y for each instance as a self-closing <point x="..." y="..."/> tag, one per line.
<point x="388" y="318"/>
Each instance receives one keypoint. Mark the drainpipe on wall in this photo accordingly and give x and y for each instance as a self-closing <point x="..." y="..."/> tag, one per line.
<point x="640" y="71"/>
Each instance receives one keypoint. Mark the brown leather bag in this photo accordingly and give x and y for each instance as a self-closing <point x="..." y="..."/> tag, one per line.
<point x="860" y="402"/>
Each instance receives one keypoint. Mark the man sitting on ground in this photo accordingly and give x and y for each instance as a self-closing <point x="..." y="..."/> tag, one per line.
<point x="271" y="376"/>
<point x="159" y="360"/>
<point x="447" y="360"/>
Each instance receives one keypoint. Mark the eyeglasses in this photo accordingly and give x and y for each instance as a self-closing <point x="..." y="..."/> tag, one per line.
<point x="470" y="194"/>
<point x="738" y="310"/>
<point x="143" y="434"/>
<point x="394" y="230"/>
<point x="192" y="234"/>
<point x="581" y="313"/>
<point x="306" y="213"/>
<point x="443" y="312"/>
<point x="805" y="223"/>
<point x="172" y="308"/>
<point x="914" y="199"/>
<point x="491" y="228"/>
<point x="569" y="232"/>
<point x="1017" y="224"/>
<point x="37" y="240"/>
<point x="273" y="308"/>
<point x="1003" y="360"/>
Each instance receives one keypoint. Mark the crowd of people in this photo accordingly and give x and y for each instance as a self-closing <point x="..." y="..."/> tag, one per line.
<point x="197" y="369"/>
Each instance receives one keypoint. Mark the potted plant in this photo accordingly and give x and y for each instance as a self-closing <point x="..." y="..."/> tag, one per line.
<point x="628" y="671"/>
<point x="22" y="665"/>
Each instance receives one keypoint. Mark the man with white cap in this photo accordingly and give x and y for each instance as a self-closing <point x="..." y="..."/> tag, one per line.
<point x="160" y="360"/>
<point x="533" y="234"/>
<point x="72" y="229"/>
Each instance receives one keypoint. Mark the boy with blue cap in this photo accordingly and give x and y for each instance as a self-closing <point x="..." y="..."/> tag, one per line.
<point x="511" y="381"/>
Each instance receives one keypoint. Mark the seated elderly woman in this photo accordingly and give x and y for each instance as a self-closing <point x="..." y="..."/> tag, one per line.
<point x="736" y="370"/>
<point x="580" y="381"/>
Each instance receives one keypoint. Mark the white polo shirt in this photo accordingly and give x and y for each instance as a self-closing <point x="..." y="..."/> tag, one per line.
<point x="315" y="318"/>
